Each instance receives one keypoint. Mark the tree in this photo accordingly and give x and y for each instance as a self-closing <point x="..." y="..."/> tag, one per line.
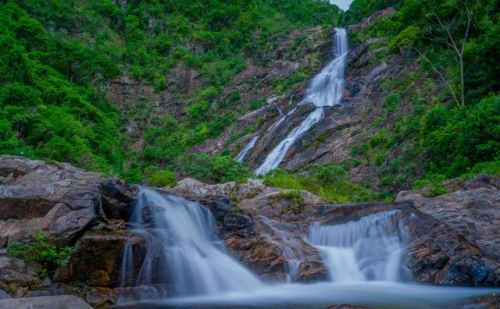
<point x="456" y="42"/>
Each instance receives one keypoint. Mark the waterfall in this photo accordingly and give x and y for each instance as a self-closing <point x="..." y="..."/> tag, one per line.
<point x="189" y="253"/>
<point x="241" y="156"/>
<point x="184" y="252"/>
<point x="325" y="89"/>
<point x="367" y="249"/>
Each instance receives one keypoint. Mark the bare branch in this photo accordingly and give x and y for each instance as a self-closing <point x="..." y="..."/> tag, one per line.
<point x="450" y="35"/>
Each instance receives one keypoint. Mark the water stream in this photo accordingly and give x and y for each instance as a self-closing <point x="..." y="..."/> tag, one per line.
<point x="325" y="89"/>
<point x="241" y="156"/>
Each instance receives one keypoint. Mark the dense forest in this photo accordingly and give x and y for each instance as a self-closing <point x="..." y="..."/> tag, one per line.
<point x="58" y="59"/>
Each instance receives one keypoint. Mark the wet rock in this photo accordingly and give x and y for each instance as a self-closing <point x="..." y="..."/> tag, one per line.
<point x="45" y="302"/>
<point x="456" y="234"/>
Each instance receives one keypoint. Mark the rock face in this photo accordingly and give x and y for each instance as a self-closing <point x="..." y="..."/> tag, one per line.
<point x="453" y="237"/>
<point x="254" y="231"/>
<point x="463" y="247"/>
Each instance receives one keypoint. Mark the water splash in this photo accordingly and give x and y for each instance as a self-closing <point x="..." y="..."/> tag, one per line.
<point x="183" y="249"/>
<point x="327" y="87"/>
<point x="275" y="157"/>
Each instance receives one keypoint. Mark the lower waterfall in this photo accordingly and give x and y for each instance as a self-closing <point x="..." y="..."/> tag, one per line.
<point x="191" y="257"/>
<point x="364" y="258"/>
<point x="369" y="249"/>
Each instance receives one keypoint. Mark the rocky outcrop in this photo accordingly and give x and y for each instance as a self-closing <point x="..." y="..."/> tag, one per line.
<point x="248" y="217"/>
<point x="57" y="199"/>
<point x="82" y="209"/>
<point x="453" y="237"/>
<point x="457" y="239"/>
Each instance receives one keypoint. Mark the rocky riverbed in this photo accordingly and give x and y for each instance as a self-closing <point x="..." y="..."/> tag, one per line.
<point x="454" y="237"/>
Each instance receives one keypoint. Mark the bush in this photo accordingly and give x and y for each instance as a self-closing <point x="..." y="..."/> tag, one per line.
<point x="215" y="169"/>
<point x="42" y="250"/>
<point x="162" y="179"/>
<point x="329" y="182"/>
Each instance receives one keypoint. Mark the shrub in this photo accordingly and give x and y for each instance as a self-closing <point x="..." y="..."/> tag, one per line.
<point x="217" y="169"/>
<point x="162" y="179"/>
<point x="42" y="250"/>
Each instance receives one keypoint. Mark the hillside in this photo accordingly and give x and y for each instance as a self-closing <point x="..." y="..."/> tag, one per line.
<point x="165" y="89"/>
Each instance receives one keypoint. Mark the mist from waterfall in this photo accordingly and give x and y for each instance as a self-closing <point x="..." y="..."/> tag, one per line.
<point x="325" y="89"/>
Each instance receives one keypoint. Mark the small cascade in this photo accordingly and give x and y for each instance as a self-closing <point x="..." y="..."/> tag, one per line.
<point x="369" y="249"/>
<point x="241" y="156"/>
<point x="325" y="89"/>
<point x="280" y="237"/>
<point x="182" y="249"/>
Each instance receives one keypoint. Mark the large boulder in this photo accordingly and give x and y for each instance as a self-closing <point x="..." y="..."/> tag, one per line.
<point x="55" y="198"/>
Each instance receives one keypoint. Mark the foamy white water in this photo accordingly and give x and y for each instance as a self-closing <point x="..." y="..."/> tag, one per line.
<point x="325" y="89"/>
<point x="275" y="157"/>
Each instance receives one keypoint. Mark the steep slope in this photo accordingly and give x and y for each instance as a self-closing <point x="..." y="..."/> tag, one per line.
<point x="401" y="118"/>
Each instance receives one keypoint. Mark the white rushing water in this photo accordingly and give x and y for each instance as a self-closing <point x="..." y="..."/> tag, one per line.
<point x="241" y="156"/>
<point x="184" y="251"/>
<point x="275" y="157"/>
<point x="325" y="89"/>
<point x="192" y="257"/>
<point x="367" y="249"/>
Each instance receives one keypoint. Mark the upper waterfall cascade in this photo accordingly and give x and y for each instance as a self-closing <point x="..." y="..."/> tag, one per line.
<point x="325" y="89"/>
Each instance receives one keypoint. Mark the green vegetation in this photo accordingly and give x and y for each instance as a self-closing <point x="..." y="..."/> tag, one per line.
<point x="57" y="58"/>
<point x="331" y="183"/>
<point x="214" y="169"/>
<point x="162" y="179"/>
<point x="43" y="250"/>
<point x="449" y="124"/>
